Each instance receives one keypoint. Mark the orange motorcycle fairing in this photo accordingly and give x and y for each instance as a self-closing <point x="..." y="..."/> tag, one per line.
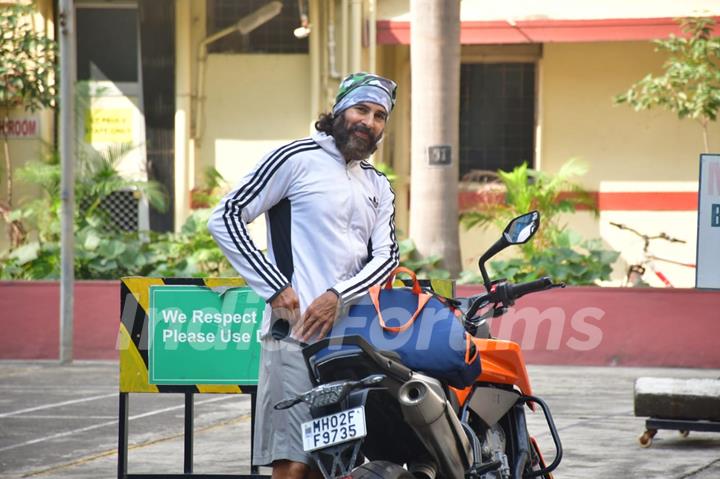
<point x="502" y="362"/>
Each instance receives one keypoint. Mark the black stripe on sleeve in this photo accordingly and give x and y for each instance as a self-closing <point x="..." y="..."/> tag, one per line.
<point x="245" y="237"/>
<point x="233" y="211"/>
<point x="280" y="219"/>
<point x="262" y="172"/>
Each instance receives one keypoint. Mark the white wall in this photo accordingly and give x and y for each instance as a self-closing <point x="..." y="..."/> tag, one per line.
<point x="479" y="10"/>
<point x="626" y="151"/>
<point x="253" y="103"/>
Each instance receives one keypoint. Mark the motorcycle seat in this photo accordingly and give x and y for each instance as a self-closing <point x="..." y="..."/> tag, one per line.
<point x="352" y="357"/>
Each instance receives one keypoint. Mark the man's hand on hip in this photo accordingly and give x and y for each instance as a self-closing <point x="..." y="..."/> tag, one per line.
<point x="319" y="316"/>
<point x="286" y="306"/>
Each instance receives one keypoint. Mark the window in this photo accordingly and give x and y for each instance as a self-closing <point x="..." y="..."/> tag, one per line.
<point x="107" y="44"/>
<point x="275" y="36"/>
<point x="497" y="116"/>
<point x="157" y="49"/>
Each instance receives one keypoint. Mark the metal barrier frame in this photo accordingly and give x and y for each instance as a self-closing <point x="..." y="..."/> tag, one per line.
<point x="123" y="430"/>
<point x="134" y="299"/>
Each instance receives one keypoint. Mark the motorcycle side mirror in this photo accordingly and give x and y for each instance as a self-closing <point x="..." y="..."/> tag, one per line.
<point x="522" y="228"/>
<point x="518" y="231"/>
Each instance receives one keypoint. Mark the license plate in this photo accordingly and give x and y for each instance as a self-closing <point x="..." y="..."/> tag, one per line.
<point x="334" y="429"/>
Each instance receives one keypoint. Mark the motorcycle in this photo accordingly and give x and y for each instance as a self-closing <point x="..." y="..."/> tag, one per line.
<point x="373" y="416"/>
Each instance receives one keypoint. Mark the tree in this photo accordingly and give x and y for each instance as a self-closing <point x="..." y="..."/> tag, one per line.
<point x="27" y="70"/>
<point x="690" y="86"/>
<point x="435" y="78"/>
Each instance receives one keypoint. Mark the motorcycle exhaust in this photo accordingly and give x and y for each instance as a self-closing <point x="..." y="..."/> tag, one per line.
<point x="437" y="426"/>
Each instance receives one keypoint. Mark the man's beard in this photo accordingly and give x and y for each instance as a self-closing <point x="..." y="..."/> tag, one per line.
<point x="352" y="146"/>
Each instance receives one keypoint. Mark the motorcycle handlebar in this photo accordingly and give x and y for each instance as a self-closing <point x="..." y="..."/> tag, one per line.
<point x="517" y="290"/>
<point x="507" y="293"/>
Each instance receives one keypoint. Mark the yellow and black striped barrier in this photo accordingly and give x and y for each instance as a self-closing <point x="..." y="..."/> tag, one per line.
<point x="134" y="335"/>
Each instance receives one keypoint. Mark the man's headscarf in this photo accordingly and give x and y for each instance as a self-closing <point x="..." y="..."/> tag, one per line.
<point x="365" y="87"/>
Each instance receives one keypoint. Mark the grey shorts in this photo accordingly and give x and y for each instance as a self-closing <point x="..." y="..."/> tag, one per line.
<point x="277" y="433"/>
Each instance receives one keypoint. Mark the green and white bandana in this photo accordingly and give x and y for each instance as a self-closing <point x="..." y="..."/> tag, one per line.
<point x="365" y="87"/>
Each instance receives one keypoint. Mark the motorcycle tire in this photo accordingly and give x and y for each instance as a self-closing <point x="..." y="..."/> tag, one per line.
<point x="381" y="469"/>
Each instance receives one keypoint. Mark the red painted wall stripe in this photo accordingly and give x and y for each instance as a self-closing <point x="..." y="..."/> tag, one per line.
<point x="543" y="31"/>
<point x="575" y="325"/>
<point x="30" y="320"/>
<point x="613" y="326"/>
<point x="648" y="201"/>
<point x="608" y="201"/>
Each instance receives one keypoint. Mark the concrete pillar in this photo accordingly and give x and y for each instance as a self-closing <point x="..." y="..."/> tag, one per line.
<point x="316" y="56"/>
<point x="356" y="18"/>
<point x="183" y="105"/>
<point x="435" y="117"/>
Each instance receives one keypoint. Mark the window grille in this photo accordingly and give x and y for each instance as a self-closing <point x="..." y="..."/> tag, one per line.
<point x="497" y="116"/>
<point x="122" y="206"/>
<point x="275" y="36"/>
<point x="127" y="210"/>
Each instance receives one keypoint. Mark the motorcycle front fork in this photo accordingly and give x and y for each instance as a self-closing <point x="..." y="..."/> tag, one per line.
<point x="523" y="451"/>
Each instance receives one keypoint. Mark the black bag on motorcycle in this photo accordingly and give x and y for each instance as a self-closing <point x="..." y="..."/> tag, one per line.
<point x="419" y="326"/>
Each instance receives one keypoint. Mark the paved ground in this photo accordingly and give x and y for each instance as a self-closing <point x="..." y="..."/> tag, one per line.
<point x="61" y="422"/>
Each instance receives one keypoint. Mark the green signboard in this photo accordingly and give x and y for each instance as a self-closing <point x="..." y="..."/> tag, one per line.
<point x="199" y="336"/>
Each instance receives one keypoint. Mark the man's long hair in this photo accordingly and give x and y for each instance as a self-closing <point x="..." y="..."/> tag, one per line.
<point x="325" y="123"/>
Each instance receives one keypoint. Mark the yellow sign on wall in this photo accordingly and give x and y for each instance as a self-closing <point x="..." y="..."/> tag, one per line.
<point x="109" y="125"/>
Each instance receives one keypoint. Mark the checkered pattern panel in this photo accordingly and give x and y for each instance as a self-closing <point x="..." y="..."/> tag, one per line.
<point x="122" y="206"/>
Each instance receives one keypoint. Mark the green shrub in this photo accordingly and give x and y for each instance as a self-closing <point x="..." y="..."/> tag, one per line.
<point x="102" y="250"/>
<point x="426" y="268"/>
<point x="555" y="250"/>
<point x="578" y="263"/>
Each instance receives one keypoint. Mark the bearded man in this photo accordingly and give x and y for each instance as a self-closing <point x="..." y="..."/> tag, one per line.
<point x="330" y="235"/>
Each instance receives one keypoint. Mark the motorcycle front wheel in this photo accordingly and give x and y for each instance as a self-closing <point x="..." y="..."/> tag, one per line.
<point x="381" y="469"/>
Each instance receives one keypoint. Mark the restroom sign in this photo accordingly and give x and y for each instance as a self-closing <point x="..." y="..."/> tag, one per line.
<point x="708" y="247"/>
<point x="25" y="127"/>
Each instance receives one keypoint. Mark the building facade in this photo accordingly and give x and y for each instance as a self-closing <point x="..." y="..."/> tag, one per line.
<point x="537" y="83"/>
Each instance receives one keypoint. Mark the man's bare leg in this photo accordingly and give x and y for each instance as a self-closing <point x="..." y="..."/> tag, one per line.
<point x="293" y="470"/>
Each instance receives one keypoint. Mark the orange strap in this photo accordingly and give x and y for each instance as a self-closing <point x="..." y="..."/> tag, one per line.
<point x="374" y="293"/>
<point x="468" y="346"/>
<point x="401" y="269"/>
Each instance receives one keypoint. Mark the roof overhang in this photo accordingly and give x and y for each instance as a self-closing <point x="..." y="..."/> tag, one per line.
<point x="391" y="32"/>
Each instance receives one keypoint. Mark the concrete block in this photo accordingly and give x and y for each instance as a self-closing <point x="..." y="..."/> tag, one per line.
<point x="667" y="398"/>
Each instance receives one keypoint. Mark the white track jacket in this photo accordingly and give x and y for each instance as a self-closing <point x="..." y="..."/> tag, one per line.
<point x="329" y="224"/>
